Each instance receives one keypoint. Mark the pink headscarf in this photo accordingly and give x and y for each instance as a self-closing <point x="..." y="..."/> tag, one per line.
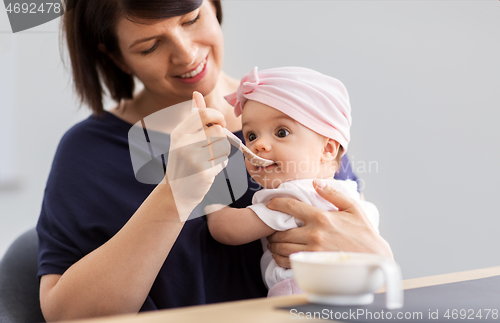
<point x="317" y="101"/>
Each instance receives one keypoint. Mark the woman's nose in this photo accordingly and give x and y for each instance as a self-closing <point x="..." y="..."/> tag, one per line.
<point x="184" y="51"/>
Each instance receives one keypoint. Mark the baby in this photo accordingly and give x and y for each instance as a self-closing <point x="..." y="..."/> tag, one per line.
<point x="300" y="119"/>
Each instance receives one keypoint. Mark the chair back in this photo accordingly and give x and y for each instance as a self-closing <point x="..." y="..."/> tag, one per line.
<point x="19" y="288"/>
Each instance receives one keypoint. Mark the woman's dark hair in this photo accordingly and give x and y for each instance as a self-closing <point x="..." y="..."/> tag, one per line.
<point x="88" y="23"/>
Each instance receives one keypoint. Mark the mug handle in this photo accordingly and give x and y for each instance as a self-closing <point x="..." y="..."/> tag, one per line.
<point x="393" y="284"/>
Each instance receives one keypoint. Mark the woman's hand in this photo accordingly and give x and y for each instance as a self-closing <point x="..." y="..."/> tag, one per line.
<point x="199" y="150"/>
<point x="117" y="277"/>
<point x="348" y="229"/>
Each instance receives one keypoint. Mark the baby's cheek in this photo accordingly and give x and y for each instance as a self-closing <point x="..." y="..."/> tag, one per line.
<point x="253" y="172"/>
<point x="304" y="167"/>
<point x="248" y="166"/>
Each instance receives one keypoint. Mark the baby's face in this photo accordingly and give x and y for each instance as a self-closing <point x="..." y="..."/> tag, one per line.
<point x="297" y="150"/>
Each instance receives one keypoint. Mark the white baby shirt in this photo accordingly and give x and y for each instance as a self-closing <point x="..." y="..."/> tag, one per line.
<point x="304" y="191"/>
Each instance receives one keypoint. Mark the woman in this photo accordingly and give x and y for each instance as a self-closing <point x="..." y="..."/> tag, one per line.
<point x="105" y="237"/>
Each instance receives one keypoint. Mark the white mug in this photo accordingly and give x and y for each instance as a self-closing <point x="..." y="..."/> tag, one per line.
<point x="347" y="278"/>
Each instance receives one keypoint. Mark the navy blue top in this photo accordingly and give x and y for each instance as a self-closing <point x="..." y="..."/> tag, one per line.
<point x="92" y="192"/>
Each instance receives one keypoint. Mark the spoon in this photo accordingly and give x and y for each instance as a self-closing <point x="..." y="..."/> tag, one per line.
<point x="249" y="155"/>
<point x="199" y="101"/>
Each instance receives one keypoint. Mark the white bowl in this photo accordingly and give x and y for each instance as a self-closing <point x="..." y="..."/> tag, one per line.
<point x="340" y="278"/>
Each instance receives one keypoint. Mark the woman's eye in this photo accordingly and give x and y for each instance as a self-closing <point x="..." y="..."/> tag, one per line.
<point x="251" y="136"/>
<point x="189" y="23"/>
<point x="282" y="133"/>
<point x="151" y="49"/>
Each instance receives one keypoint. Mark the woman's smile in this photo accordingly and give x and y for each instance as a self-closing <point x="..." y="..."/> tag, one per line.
<point x="174" y="56"/>
<point x="196" y="74"/>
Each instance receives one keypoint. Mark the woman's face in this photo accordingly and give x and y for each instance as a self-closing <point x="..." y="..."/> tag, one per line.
<point x="175" y="56"/>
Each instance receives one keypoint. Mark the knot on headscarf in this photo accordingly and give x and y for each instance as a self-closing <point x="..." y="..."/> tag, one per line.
<point x="248" y="83"/>
<point x="317" y="101"/>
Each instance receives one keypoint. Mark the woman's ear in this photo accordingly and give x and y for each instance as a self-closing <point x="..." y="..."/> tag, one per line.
<point x="330" y="150"/>
<point x="117" y="60"/>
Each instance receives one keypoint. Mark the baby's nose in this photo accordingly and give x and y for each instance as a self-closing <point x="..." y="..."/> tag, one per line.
<point x="262" y="144"/>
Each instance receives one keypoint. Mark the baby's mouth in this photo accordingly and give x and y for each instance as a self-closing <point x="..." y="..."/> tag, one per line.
<point x="272" y="166"/>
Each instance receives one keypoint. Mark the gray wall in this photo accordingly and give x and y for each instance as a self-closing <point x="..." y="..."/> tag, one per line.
<point x="424" y="81"/>
<point x="36" y="100"/>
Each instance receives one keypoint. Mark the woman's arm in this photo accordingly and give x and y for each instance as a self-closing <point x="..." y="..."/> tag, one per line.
<point x="116" y="277"/>
<point x="348" y="229"/>
<point x="237" y="226"/>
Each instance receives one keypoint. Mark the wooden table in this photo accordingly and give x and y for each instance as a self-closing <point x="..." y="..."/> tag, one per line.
<point x="264" y="309"/>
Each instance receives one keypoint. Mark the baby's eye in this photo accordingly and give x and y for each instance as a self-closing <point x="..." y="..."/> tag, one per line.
<point x="282" y="133"/>
<point x="251" y="136"/>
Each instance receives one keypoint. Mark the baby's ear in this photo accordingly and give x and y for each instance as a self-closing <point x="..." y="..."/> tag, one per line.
<point x="330" y="150"/>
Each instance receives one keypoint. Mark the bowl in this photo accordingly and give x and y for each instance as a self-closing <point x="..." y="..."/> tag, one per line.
<point x="346" y="278"/>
